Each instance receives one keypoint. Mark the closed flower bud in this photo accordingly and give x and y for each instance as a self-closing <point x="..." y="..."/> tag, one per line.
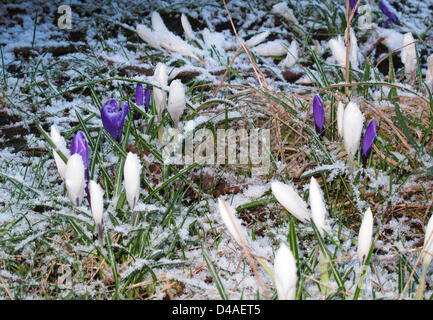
<point x="368" y="141"/>
<point x="285" y="273"/>
<point x="258" y="38"/>
<point x="271" y="48"/>
<point x="232" y="223"/>
<point x="292" y="55"/>
<point x="60" y="143"/>
<point x="113" y="119"/>
<point x="319" y="114"/>
<point x="408" y="56"/>
<point x="147" y="95"/>
<point x="340" y="117"/>
<point x="97" y="205"/>
<point x="365" y="235"/>
<point x="390" y="12"/>
<point x="291" y="201"/>
<point x="176" y="101"/>
<point x="159" y="95"/>
<point x="131" y="173"/>
<point x="187" y="27"/>
<point x="79" y="145"/>
<point x="338" y="51"/>
<point x="352" y="129"/>
<point x="139" y="98"/>
<point x="147" y="35"/>
<point x="74" y="179"/>
<point x="317" y="204"/>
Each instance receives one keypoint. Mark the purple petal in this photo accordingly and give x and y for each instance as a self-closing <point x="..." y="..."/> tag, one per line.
<point x="113" y="119"/>
<point x="390" y="12"/>
<point x="139" y="94"/>
<point x="353" y="4"/>
<point x="319" y="114"/>
<point x="367" y="142"/>
<point x="147" y="95"/>
<point x="79" y="145"/>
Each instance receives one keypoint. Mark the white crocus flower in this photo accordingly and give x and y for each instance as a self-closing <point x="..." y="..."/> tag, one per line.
<point x="97" y="206"/>
<point x="187" y="27"/>
<point x="292" y="55"/>
<point x="365" y="235"/>
<point x="285" y="273"/>
<point x="282" y="9"/>
<point x="352" y="129"/>
<point x="157" y="22"/>
<point x="176" y="101"/>
<point x="408" y="56"/>
<point x="429" y="74"/>
<point x="258" y="38"/>
<point x="338" y="51"/>
<point x="131" y="173"/>
<point x="317" y="204"/>
<point x="354" y="52"/>
<point x="159" y="95"/>
<point x="147" y="35"/>
<point x="290" y="200"/>
<point x="340" y="117"/>
<point x="74" y="179"/>
<point x="232" y="223"/>
<point x="60" y="143"/>
<point x="271" y="48"/>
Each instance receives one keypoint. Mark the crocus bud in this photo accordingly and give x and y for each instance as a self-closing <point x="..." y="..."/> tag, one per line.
<point x="187" y="27"/>
<point x="390" y="12"/>
<point x="429" y="74"/>
<point x="282" y="9"/>
<point x="74" y="179"/>
<point x="258" y="38"/>
<point x="147" y="35"/>
<point x="113" y="119"/>
<point x="176" y="101"/>
<point x="79" y="145"/>
<point x="232" y="223"/>
<point x="340" y="117"/>
<point x="367" y="142"/>
<point x="271" y="48"/>
<point x="408" y="56"/>
<point x="352" y="129"/>
<point x="159" y="95"/>
<point x="97" y="206"/>
<point x="289" y="199"/>
<point x="365" y="234"/>
<point x="317" y="204"/>
<point x="157" y="22"/>
<point x="131" y="173"/>
<point x="352" y="4"/>
<point x="319" y="114"/>
<point x="292" y="55"/>
<point x="428" y="245"/>
<point x="285" y="273"/>
<point x="338" y="51"/>
<point x="139" y="95"/>
<point x="60" y="143"/>
<point x="147" y="94"/>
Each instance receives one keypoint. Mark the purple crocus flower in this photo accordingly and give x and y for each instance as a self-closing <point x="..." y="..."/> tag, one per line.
<point x="319" y="114"/>
<point x="113" y="119"/>
<point x="367" y="142"/>
<point x="79" y="145"/>
<point x="147" y="94"/>
<point x="139" y="94"/>
<point x="352" y="4"/>
<point x="390" y="12"/>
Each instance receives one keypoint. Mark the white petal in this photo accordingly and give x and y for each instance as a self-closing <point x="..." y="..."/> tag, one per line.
<point x="147" y="35"/>
<point x="285" y="273"/>
<point x="271" y="48"/>
<point x="352" y="128"/>
<point x="74" y="179"/>
<point x="259" y="38"/>
<point x="159" y="95"/>
<point x="232" y="223"/>
<point x="187" y="27"/>
<point x="340" y="117"/>
<point x="365" y="234"/>
<point x="157" y="22"/>
<point x="317" y="204"/>
<point x="131" y="173"/>
<point x="338" y="51"/>
<point x="61" y="165"/>
<point x="290" y="200"/>
<point x="173" y="43"/>
<point x="428" y="244"/>
<point x="429" y="74"/>
<point x="292" y="55"/>
<point x="176" y="100"/>
<point x="408" y="56"/>
<point x="97" y="201"/>
<point x="285" y="11"/>
<point x="354" y="53"/>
